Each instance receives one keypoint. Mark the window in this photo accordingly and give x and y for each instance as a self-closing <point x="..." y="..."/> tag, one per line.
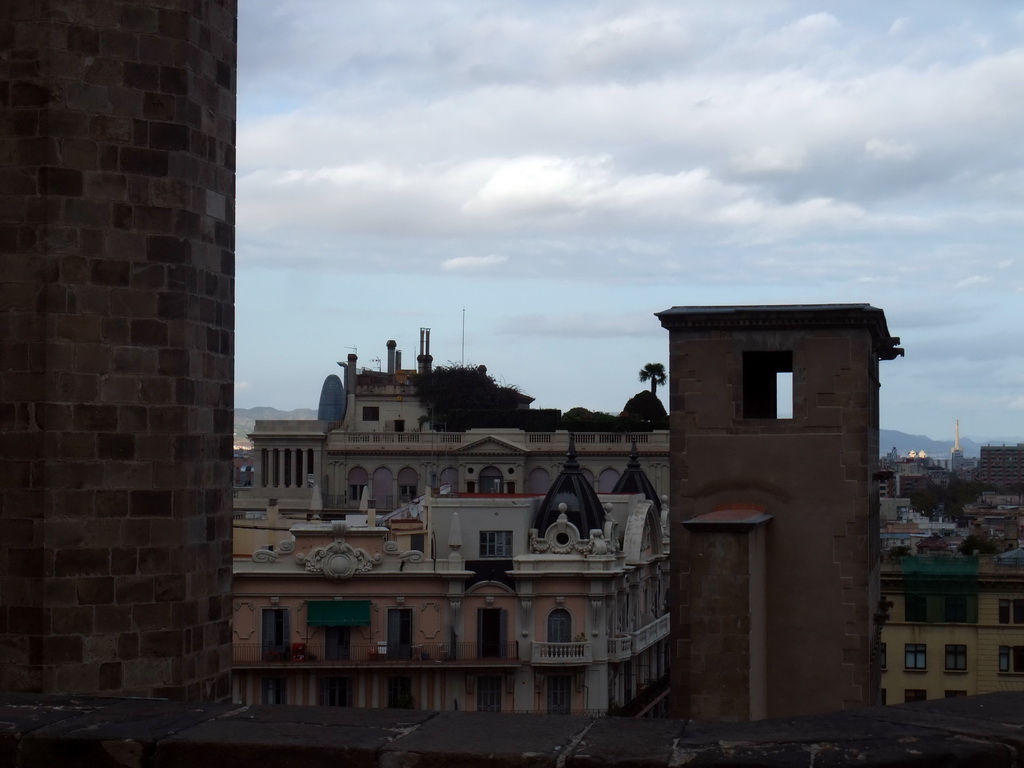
<point x="955" y="694"/>
<point x="400" y="693"/>
<point x="559" y="694"/>
<point x="371" y="413"/>
<point x="273" y="690"/>
<point x="883" y="696"/>
<point x="355" y="492"/>
<point x="1018" y="611"/>
<point x="1011" y="658"/>
<point x="956" y="608"/>
<point x="882" y="661"/>
<point x="916" y="656"/>
<point x="335" y="692"/>
<point x="495" y="543"/>
<point x="399" y="633"/>
<point x="767" y="378"/>
<point x="559" y="626"/>
<point x="406" y="492"/>
<point x="915" y="694"/>
<point x="915" y="608"/>
<point x="488" y="693"/>
<point x="399" y="425"/>
<point x="275" y="634"/>
<point x="1004" y="611"/>
<point x="491" y="631"/>
<point x="956" y="658"/>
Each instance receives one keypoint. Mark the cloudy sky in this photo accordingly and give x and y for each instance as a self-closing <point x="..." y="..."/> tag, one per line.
<point x="533" y="180"/>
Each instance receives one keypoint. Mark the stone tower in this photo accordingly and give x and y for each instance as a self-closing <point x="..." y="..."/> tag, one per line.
<point x="117" y="130"/>
<point x="774" y="450"/>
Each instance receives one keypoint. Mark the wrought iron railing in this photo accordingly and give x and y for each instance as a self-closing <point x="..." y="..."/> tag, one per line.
<point x="366" y="653"/>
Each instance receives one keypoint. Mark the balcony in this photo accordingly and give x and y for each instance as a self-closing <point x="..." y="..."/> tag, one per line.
<point x="562" y="654"/>
<point x="364" y="654"/>
<point x="647" y="636"/>
<point x="620" y="648"/>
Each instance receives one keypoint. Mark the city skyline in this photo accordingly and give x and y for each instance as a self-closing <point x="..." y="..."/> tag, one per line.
<point x="534" y="182"/>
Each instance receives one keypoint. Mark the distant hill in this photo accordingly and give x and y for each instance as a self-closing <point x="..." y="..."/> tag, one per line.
<point x="245" y="421"/>
<point x="904" y="444"/>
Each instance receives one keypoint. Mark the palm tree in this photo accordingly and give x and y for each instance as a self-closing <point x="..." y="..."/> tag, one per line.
<point x="654" y="373"/>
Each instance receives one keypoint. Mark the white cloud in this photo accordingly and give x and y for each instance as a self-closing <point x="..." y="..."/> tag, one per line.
<point x="884" y="149"/>
<point x="473" y="263"/>
<point x="973" y="281"/>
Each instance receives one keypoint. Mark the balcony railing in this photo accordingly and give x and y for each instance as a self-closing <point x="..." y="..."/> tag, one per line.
<point x="650" y="634"/>
<point x="562" y="653"/>
<point x="620" y="648"/>
<point x="374" y="653"/>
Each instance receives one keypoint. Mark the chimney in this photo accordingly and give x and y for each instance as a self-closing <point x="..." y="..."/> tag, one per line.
<point x="398" y="360"/>
<point x="391" y="356"/>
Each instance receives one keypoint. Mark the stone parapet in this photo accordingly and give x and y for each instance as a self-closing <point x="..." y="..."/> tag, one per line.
<point x="39" y="732"/>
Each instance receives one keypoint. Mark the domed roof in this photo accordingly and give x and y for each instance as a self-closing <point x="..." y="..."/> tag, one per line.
<point x="635" y="480"/>
<point x="571" y="487"/>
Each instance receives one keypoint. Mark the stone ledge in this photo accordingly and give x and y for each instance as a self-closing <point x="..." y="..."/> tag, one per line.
<point x="93" y="732"/>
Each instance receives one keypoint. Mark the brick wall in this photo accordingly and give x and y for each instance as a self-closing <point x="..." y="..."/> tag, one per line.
<point x="116" y="336"/>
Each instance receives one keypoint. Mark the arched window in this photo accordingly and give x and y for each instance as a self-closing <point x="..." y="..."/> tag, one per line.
<point x="357" y="482"/>
<point x="490" y="480"/>
<point x="408" y="484"/>
<point x="538" y="481"/>
<point x="607" y="480"/>
<point x="450" y="477"/>
<point x="559" y="626"/>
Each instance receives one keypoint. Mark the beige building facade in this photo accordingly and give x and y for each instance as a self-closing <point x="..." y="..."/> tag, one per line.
<point x="513" y="603"/>
<point x="955" y="628"/>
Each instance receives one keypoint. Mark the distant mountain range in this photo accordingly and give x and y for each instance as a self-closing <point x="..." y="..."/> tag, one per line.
<point x="245" y="421"/>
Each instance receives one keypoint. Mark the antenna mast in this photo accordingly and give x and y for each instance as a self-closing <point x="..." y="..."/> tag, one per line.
<point x="463" y="361"/>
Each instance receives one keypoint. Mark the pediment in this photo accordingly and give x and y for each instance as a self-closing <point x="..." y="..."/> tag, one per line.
<point x="490" y="445"/>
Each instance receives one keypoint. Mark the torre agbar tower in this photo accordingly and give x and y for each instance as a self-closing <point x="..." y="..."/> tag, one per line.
<point x="117" y="179"/>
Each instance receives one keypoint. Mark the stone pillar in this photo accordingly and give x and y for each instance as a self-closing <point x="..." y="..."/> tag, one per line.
<point x="726" y="589"/>
<point x="117" y="126"/>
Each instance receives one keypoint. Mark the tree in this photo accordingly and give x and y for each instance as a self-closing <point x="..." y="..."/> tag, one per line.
<point x="648" y="408"/>
<point x="654" y="373"/>
<point x="465" y="395"/>
<point x="978" y="544"/>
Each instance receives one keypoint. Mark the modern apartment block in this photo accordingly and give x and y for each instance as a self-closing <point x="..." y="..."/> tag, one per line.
<point x="1002" y="466"/>
<point x="955" y="628"/>
<point x="774" y="494"/>
<point x="548" y="603"/>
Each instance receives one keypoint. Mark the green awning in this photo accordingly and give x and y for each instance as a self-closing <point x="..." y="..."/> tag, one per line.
<point x="338" y="613"/>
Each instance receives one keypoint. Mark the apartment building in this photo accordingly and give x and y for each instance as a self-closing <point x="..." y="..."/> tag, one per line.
<point x="955" y="626"/>
<point x="503" y="602"/>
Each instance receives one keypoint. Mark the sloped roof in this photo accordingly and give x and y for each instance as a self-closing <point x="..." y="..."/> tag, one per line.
<point x="635" y="480"/>
<point x="571" y="487"/>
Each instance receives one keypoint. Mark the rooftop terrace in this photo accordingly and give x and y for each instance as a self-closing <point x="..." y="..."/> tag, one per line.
<point x="87" y="732"/>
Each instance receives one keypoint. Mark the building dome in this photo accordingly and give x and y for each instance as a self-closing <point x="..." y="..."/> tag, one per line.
<point x="571" y="488"/>
<point x="635" y="480"/>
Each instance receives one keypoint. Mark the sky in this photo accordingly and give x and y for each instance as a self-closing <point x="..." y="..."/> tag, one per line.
<point x="534" y="180"/>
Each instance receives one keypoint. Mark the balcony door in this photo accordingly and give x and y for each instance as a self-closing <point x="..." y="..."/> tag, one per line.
<point x="491" y="632"/>
<point x="559" y="626"/>
<point x="399" y="633"/>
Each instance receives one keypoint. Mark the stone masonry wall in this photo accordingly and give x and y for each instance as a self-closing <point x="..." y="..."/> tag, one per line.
<point x="116" y="333"/>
